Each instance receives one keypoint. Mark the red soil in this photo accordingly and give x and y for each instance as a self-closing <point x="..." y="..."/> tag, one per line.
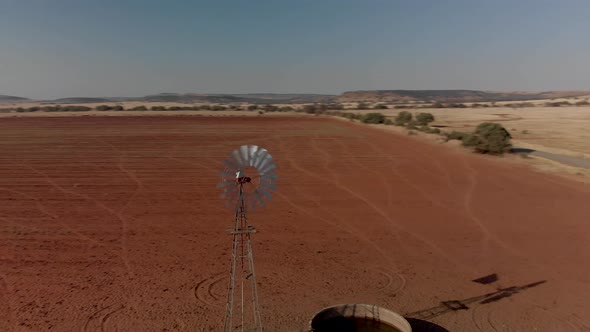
<point x="115" y="224"/>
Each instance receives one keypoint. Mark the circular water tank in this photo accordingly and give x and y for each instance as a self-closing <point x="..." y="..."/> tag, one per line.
<point x="357" y="318"/>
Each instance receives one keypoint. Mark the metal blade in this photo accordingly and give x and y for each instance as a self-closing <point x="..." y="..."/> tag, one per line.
<point x="268" y="186"/>
<point x="265" y="193"/>
<point x="259" y="198"/>
<point x="230" y="164"/>
<point x="252" y="151"/>
<point x="264" y="161"/>
<point x="262" y="155"/>
<point x="244" y="155"/>
<point x="267" y="168"/>
<point x="237" y="158"/>
<point x="269" y="176"/>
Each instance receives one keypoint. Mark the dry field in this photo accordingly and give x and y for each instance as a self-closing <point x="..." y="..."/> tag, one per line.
<point x="114" y="223"/>
<point x="561" y="130"/>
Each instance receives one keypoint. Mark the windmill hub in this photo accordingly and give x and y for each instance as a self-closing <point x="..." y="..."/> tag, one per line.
<point x="244" y="179"/>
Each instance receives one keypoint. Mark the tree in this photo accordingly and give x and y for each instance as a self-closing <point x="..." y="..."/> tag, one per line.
<point x="270" y="108"/>
<point x="373" y="118"/>
<point x="492" y="138"/>
<point x="403" y="118"/>
<point x="362" y="106"/>
<point x="309" y="109"/>
<point x="103" y="108"/>
<point x="423" y="119"/>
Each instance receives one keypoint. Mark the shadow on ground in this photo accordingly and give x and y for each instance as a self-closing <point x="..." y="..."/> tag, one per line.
<point x="522" y="150"/>
<point x="419" y="325"/>
<point x="456" y="305"/>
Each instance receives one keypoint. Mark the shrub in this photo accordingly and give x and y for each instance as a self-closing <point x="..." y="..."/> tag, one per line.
<point x="218" y="108"/>
<point x="403" y="118"/>
<point x="492" y="138"/>
<point x="118" y="108"/>
<point x="205" y="107"/>
<point x="286" y="109"/>
<point x="428" y="130"/>
<point x="423" y="119"/>
<point x="373" y="118"/>
<point x="260" y="112"/>
<point x="139" y="108"/>
<point x="158" y="108"/>
<point x="335" y="106"/>
<point x="470" y="140"/>
<point x="310" y="109"/>
<point x="252" y="107"/>
<point x="103" y="108"/>
<point x="380" y="107"/>
<point x="457" y="135"/>
<point x="352" y="116"/>
<point x="582" y="103"/>
<point x="362" y="106"/>
<point x="270" y="108"/>
<point x="388" y="122"/>
<point x="411" y="132"/>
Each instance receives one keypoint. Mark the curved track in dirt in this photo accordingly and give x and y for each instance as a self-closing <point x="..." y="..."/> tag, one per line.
<point x="115" y="224"/>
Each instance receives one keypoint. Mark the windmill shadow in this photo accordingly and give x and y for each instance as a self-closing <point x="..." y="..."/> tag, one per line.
<point x="464" y="304"/>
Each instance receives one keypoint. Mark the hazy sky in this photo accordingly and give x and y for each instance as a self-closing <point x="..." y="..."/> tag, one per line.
<point x="62" y="48"/>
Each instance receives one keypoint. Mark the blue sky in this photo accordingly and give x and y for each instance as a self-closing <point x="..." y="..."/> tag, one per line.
<point x="61" y="48"/>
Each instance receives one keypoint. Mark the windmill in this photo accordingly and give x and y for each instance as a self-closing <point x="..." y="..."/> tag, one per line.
<point x="247" y="182"/>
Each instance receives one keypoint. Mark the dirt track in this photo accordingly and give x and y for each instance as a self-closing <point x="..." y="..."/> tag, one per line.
<point x="115" y="224"/>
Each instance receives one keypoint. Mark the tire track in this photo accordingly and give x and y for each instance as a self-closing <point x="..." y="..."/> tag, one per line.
<point x="11" y="312"/>
<point x="203" y="291"/>
<point x="89" y="199"/>
<point x="468" y="201"/>
<point x="98" y="320"/>
<point x="377" y="210"/>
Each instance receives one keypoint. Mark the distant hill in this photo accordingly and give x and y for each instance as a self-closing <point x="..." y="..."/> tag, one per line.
<point x="254" y="98"/>
<point x="12" y="99"/>
<point x="79" y="100"/>
<point x="404" y="96"/>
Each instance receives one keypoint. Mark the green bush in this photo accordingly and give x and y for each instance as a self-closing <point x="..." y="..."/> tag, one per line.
<point x="428" y="130"/>
<point x="492" y="138"/>
<point x="158" y="108"/>
<point x="362" y="106"/>
<point x="403" y="118"/>
<point x="456" y="135"/>
<point x="424" y="119"/>
<point x="139" y="108"/>
<point x="310" y="109"/>
<point x="352" y="116"/>
<point x="118" y="108"/>
<point x="373" y="118"/>
<point x="380" y="107"/>
<point x="270" y="108"/>
<point x="252" y="107"/>
<point x="470" y="140"/>
<point x="218" y="108"/>
<point x="388" y="122"/>
<point x="103" y="108"/>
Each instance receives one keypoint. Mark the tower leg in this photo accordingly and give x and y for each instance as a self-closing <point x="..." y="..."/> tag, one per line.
<point x="237" y="315"/>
